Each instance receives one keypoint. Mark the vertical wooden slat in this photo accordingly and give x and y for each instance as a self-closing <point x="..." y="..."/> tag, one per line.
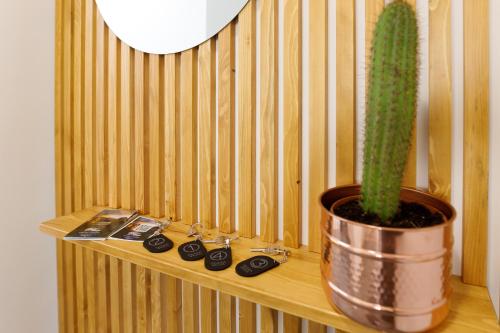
<point x="128" y="297"/>
<point x="317" y="328"/>
<point x="440" y="117"/>
<point x="90" y="280"/>
<point x="346" y="93"/>
<point x="60" y="286"/>
<point x="225" y="86"/>
<point x="318" y="114"/>
<point x="227" y="313"/>
<point x="113" y="130"/>
<point x="89" y="87"/>
<point x="269" y="320"/>
<point x="78" y="38"/>
<point x="206" y="137"/>
<point x="116" y="298"/>
<point x="173" y="318"/>
<point x="102" y="324"/>
<point x="69" y="286"/>
<point x="80" y="287"/>
<point x="156" y="136"/>
<point x="291" y="323"/>
<point x="373" y="8"/>
<point x="126" y="127"/>
<point x="269" y="120"/>
<point x="101" y="108"/>
<point x="247" y="315"/>
<point x="172" y="171"/>
<point x="206" y="134"/>
<point x="139" y="149"/>
<point x="188" y="147"/>
<point x="142" y="299"/>
<point x="208" y="299"/>
<point x="157" y="303"/>
<point x="58" y="109"/>
<point x="67" y="108"/>
<point x="190" y="322"/>
<point x="246" y="120"/>
<point x="476" y="140"/>
<point x="410" y="173"/>
<point x="292" y="92"/>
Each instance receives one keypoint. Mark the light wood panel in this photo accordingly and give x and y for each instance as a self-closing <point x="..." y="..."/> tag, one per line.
<point x="156" y="135"/>
<point x="410" y="173"/>
<point x="66" y="122"/>
<point x="139" y="132"/>
<point x="206" y="133"/>
<point x="113" y="130"/>
<point x="318" y="115"/>
<point x="292" y="118"/>
<point x="268" y="320"/>
<point x="173" y="318"/>
<point x="316" y="327"/>
<point x="80" y="286"/>
<point x="291" y="324"/>
<point x="89" y="110"/>
<point x="126" y="128"/>
<point x="247" y="316"/>
<point x="208" y="299"/>
<point x="476" y="140"/>
<point x="346" y="93"/>
<point x="373" y="8"/>
<point x="58" y="125"/>
<point x="269" y="120"/>
<point x="440" y="112"/>
<point x="128" y="297"/>
<point x="190" y="307"/>
<point x="157" y="302"/>
<point x="142" y="285"/>
<point x="225" y="86"/>
<point x="227" y="313"/>
<point x="188" y="146"/>
<point x="101" y="306"/>
<point x="90" y="280"/>
<point x="115" y="291"/>
<point x="172" y="170"/>
<point x="246" y="119"/>
<point x="77" y="82"/>
<point x="100" y="157"/>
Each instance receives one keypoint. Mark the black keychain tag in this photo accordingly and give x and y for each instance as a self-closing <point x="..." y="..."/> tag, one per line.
<point x="255" y="266"/>
<point x="218" y="259"/>
<point x="158" y="244"/>
<point x="192" y="251"/>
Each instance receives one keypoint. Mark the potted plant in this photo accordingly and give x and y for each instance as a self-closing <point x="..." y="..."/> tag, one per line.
<point x="386" y="249"/>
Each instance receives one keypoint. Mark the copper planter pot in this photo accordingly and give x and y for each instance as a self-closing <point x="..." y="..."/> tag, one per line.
<point x="391" y="279"/>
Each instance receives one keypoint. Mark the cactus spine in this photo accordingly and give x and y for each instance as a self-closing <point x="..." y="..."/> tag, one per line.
<point x="391" y="104"/>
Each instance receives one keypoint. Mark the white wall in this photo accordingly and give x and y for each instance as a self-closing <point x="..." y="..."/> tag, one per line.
<point x="27" y="258"/>
<point x="494" y="189"/>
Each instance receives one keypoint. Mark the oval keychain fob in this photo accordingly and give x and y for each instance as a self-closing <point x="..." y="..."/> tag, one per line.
<point x="255" y="266"/>
<point x="192" y="251"/>
<point x="218" y="259"/>
<point x="158" y="244"/>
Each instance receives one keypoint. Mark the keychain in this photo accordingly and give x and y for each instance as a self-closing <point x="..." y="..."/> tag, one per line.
<point x="259" y="264"/>
<point x="221" y="258"/>
<point x="159" y="243"/>
<point x="193" y="250"/>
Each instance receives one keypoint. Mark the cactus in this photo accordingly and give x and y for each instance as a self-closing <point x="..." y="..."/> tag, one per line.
<point x="391" y="104"/>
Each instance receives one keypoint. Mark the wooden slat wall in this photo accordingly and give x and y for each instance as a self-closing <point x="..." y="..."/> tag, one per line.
<point x="139" y="131"/>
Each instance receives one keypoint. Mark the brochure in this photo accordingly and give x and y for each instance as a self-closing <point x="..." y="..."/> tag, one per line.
<point x="102" y="225"/>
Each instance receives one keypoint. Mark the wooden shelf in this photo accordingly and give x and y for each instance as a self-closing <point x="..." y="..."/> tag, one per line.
<point x="294" y="287"/>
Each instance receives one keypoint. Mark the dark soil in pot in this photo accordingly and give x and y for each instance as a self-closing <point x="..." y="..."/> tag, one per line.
<point x="409" y="215"/>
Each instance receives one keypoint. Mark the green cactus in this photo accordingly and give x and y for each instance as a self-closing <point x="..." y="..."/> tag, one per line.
<point x="391" y="104"/>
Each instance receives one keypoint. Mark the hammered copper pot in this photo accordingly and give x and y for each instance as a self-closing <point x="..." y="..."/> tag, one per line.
<point x="391" y="279"/>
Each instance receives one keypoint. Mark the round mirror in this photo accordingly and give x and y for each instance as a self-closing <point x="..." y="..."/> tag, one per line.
<point x="167" y="26"/>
